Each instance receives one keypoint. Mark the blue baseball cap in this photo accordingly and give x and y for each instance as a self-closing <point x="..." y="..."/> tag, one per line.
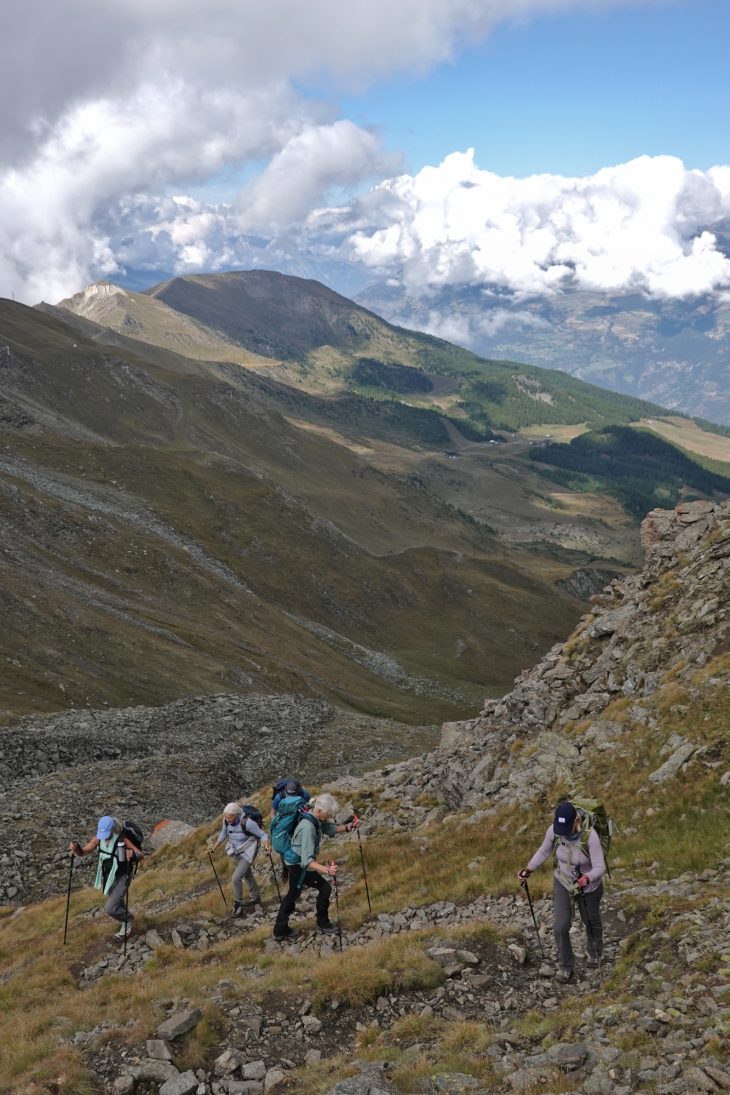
<point x="105" y="827"/>
<point x="565" y="816"/>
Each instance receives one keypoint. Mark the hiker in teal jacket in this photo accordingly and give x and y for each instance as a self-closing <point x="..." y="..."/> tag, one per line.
<point x="308" y="871"/>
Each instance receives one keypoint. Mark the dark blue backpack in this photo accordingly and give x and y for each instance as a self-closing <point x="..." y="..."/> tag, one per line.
<point x="291" y="811"/>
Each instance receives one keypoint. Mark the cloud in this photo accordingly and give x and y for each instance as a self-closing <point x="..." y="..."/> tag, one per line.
<point x="645" y="225"/>
<point x="117" y="107"/>
<point x="312" y="162"/>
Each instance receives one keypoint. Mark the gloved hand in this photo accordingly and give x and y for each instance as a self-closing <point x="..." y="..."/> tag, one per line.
<point x="582" y="881"/>
<point x="212" y="845"/>
<point x="354" y="822"/>
<point x="524" y="874"/>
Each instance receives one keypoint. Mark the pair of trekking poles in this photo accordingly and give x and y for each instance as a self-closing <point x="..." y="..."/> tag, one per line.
<point x="585" y="916"/>
<point x="68" y="902"/>
<point x="334" y="879"/>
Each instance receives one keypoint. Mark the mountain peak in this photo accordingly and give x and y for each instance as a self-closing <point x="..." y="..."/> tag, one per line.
<point x="95" y="297"/>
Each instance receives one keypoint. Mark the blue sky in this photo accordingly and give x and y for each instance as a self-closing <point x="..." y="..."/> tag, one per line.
<point x="329" y="139"/>
<point x="569" y="94"/>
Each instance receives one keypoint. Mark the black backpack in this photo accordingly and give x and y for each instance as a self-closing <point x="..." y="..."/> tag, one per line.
<point x="132" y="831"/>
<point x="254" y="814"/>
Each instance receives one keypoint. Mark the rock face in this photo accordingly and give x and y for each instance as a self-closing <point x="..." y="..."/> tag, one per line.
<point x="673" y="616"/>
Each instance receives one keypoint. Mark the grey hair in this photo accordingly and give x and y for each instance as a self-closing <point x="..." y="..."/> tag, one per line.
<point x="328" y="803"/>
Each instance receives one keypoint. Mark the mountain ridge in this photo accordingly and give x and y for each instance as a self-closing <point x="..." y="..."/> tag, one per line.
<point x="674" y="353"/>
<point x="177" y="484"/>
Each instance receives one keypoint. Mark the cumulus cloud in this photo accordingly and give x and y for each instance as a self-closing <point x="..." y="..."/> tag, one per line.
<point x="645" y="225"/>
<point x="319" y="157"/>
<point x="118" y="107"/>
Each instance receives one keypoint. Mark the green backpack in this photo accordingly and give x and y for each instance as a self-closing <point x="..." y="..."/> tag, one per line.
<point x="593" y="815"/>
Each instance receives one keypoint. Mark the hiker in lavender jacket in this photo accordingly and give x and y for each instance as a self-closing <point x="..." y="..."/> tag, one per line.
<point x="579" y="868"/>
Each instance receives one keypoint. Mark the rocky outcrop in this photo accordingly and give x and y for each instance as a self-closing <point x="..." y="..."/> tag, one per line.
<point x="673" y="616"/>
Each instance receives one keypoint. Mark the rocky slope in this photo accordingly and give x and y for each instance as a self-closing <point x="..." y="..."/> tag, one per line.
<point x="186" y="759"/>
<point x="666" y="623"/>
<point x="444" y="988"/>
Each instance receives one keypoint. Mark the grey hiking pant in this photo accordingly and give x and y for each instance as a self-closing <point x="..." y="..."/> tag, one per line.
<point x="116" y="899"/>
<point x="589" y="907"/>
<point x="243" y="870"/>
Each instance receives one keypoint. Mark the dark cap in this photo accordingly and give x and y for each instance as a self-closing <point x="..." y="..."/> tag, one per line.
<point x="565" y="816"/>
<point x="293" y="787"/>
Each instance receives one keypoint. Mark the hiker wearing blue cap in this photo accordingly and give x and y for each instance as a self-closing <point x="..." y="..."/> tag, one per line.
<point x="579" y="869"/>
<point x="118" y="853"/>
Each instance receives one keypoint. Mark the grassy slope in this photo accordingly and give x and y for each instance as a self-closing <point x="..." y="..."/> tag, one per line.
<point x="659" y="837"/>
<point x="104" y="606"/>
<point x="319" y="337"/>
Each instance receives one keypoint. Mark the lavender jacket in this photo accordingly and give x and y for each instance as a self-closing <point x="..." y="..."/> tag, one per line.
<point x="571" y="860"/>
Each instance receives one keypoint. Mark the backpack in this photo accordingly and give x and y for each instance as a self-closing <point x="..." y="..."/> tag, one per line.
<point x="254" y="814"/>
<point x="280" y="786"/>
<point x="291" y="811"/>
<point x="593" y="815"/>
<point x="132" y="831"/>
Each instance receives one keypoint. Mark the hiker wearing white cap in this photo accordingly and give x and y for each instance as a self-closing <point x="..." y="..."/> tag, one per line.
<point x="242" y="833"/>
<point x="117" y="855"/>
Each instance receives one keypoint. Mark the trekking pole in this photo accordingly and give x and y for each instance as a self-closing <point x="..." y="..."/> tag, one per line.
<point x="587" y="921"/>
<point x="337" y="903"/>
<point x="126" y="907"/>
<point x="273" y="871"/>
<point x="364" y="872"/>
<point x="68" y="895"/>
<point x="534" y="919"/>
<point x="225" y="903"/>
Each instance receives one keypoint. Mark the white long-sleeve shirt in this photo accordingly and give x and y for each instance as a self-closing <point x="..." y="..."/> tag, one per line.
<point x="243" y="837"/>
<point x="571" y="860"/>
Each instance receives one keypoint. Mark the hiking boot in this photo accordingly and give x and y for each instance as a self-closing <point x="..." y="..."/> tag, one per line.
<point x="126" y="929"/>
<point x="563" y="975"/>
<point x="252" y="901"/>
<point x="328" y="929"/>
<point x="592" y="962"/>
<point x="237" y="910"/>
<point x="289" y="935"/>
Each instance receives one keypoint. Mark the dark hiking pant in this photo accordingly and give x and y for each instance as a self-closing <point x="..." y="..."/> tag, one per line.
<point x="590" y="913"/>
<point x="288" y="902"/>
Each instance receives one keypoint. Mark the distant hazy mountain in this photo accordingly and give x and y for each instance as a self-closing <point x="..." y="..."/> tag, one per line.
<point x="673" y="352"/>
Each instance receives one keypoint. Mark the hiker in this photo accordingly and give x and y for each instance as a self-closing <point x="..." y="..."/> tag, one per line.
<point x="119" y="852"/>
<point x="243" y="835"/>
<point x="305" y="869"/>
<point x="579" y="868"/>
<point x="286" y="788"/>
